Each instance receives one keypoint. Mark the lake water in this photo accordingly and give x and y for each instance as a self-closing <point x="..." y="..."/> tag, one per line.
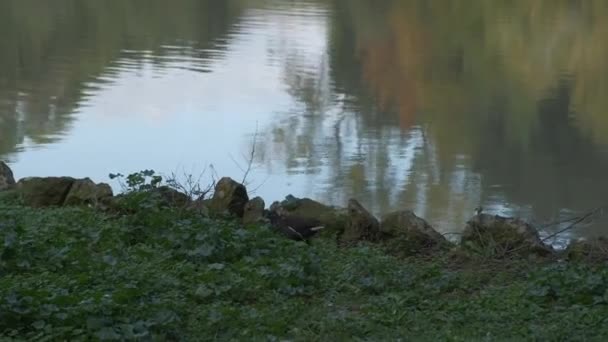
<point x="434" y="106"/>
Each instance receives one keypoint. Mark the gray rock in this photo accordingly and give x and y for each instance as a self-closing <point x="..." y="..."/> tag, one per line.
<point x="44" y="192"/>
<point x="85" y="191"/>
<point x="333" y="219"/>
<point x="254" y="211"/>
<point x="360" y="225"/>
<point x="7" y="181"/>
<point x="229" y="197"/>
<point x="405" y="233"/>
<point x="59" y="191"/>
<point x="170" y="197"/>
<point x="503" y="236"/>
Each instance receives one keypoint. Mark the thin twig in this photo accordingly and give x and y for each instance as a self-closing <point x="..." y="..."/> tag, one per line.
<point x="254" y="190"/>
<point x="451" y="233"/>
<point x="252" y="154"/>
<point x="555" y="223"/>
<point x="577" y="221"/>
<point x="236" y="163"/>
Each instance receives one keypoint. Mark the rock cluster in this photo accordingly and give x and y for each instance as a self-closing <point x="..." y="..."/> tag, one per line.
<point x="59" y="191"/>
<point x="401" y="232"/>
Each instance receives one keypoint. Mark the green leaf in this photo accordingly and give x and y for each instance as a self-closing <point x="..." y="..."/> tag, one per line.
<point x="38" y="325"/>
<point x="107" y="334"/>
<point x="203" y="292"/>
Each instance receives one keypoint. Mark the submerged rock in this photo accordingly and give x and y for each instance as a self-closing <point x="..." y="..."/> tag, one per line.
<point x="503" y="236"/>
<point x="7" y="181"/>
<point x="360" y="225"/>
<point x="406" y="233"/>
<point x="229" y="197"/>
<point x="254" y="211"/>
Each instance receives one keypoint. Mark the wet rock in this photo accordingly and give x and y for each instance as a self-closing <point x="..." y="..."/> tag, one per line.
<point x="85" y="192"/>
<point x="44" y="192"/>
<point x="332" y="218"/>
<point x="254" y="211"/>
<point x="360" y="225"/>
<point x="592" y="250"/>
<point x="407" y="234"/>
<point x="502" y="236"/>
<point x="229" y="197"/>
<point x="7" y="181"/>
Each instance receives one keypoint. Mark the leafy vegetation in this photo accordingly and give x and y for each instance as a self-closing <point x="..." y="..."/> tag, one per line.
<point x="162" y="274"/>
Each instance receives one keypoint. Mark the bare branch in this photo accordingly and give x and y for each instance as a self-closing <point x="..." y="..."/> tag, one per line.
<point x="236" y="163"/>
<point x="576" y="220"/>
<point x="251" y="155"/>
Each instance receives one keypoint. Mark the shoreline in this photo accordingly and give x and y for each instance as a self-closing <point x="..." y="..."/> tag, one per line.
<point x="154" y="264"/>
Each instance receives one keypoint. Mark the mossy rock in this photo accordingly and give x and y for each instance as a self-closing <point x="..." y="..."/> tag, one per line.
<point x="334" y="219"/>
<point x="499" y="236"/>
<point x="360" y="226"/>
<point x="229" y="197"/>
<point x="595" y="250"/>
<point x="254" y="211"/>
<point x="406" y="234"/>
<point x="44" y="192"/>
<point x="86" y="192"/>
<point x="172" y="198"/>
<point x="7" y="180"/>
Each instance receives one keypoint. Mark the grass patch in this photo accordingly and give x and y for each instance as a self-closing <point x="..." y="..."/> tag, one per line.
<point x="161" y="274"/>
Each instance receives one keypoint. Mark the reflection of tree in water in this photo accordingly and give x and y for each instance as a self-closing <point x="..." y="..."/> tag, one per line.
<point x="55" y="53"/>
<point x="560" y="168"/>
<point x="472" y="76"/>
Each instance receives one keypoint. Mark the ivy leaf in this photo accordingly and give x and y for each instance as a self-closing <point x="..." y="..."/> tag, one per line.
<point x="217" y="266"/>
<point x="107" y="334"/>
<point x="95" y="323"/>
<point x="39" y="325"/>
<point x="203" y="291"/>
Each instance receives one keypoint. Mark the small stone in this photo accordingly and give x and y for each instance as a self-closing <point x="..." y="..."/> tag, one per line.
<point x="229" y="197"/>
<point x="254" y="211"/>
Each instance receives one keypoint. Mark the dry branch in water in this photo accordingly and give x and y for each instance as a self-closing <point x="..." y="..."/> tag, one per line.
<point x="575" y="221"/>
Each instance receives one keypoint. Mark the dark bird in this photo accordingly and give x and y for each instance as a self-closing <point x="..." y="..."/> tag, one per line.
<point x="295" y="227"/>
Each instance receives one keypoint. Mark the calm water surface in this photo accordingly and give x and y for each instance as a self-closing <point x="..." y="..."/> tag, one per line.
<point x="435" y="106"/>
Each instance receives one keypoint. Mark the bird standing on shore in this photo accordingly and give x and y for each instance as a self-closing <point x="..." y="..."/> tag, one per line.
<point x="295" y="227"/>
